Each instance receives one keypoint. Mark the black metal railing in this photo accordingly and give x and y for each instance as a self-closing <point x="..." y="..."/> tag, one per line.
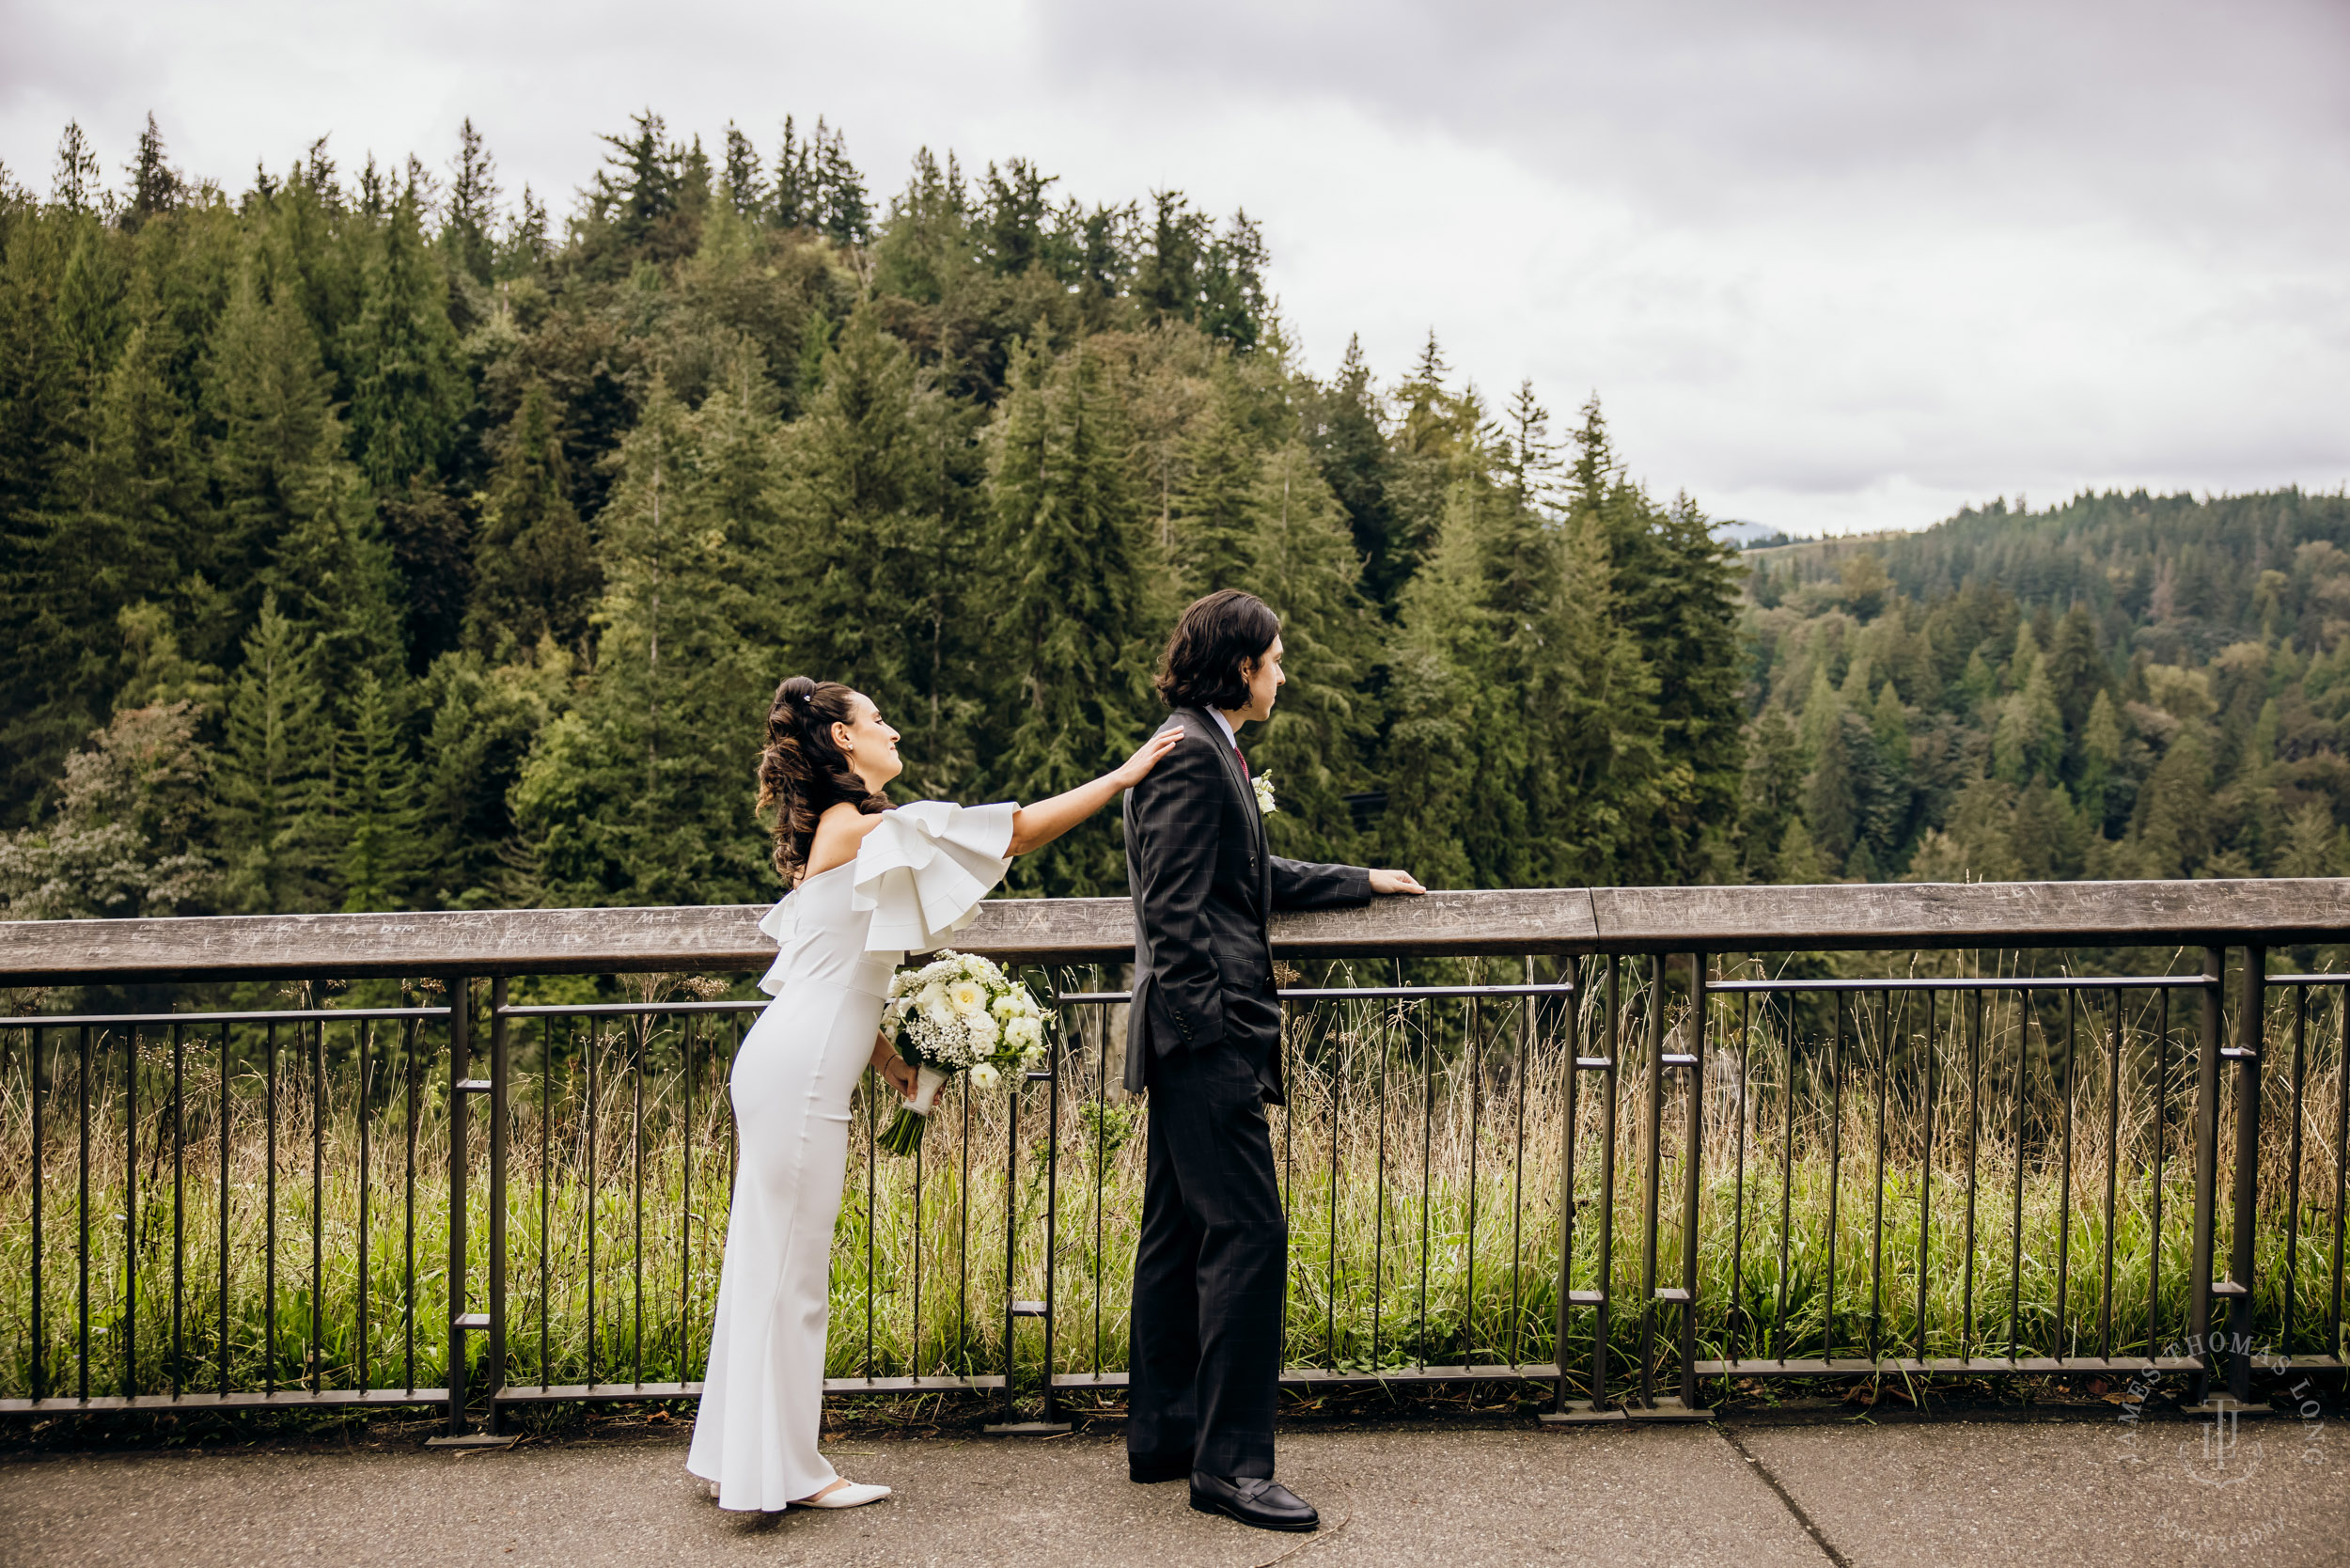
<point x="1624" y="1179"/>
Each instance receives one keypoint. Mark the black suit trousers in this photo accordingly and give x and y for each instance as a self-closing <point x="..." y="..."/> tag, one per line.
<point x="1211" y="1268"/>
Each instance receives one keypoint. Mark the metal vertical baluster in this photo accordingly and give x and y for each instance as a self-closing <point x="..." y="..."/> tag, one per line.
<point x="1517" y="1169"/>
<point x="499" y="1088"/>
<point x="2293" y="1166"/>
<point x="962" y="1245"/>
<point x="460" y="1064"/>
<point x="1566" y="1183"/>
<point x="2015" y="1226"/>
<point x="2206" y="1169"/>
<point x="1604" y="1263"/>
<point x="1330" y="1296"/>
<point x="1735" y="1319"/>
<point x="223" y="1209"/>
<point x="81" y="1254"/>
<point x="1379" y="1210"/>
<point x="2113" y="1162"/>
<point x="1427" y="1176"/>
<point x="178" y="1203"/>
<point x="868" y="1081"/>
<point x="317" y="1201"/>
<point x="2065" y="1194"/>
<point x="1876" y="1207"/>
<point x="1651" y="1176"/>
<point x="686" y="1223"/>
<point x="1835" y="1166"/>
<point x="589" y="1189"/>
<point x="1974" y="1138"/>
<point x="2162" y="1133"/>
<point x="367" y="1042"/>
<point x="1695" y="1118"/>
<point x="1477" y="1076"/>
<point x="39" y="1382"/>
<point x="131" y="1216"/>
<point x="547" y="1179"/>
<point x="1052" y="1216"/>
<point x="1786" y="1182"/>
<point x="269" y="1268"/>
<point x="411" y="1070"/>
<point x="641" y="1026"/>
<point x="1012" y="1232"/>
<point x="2249" y="1053"/>
<point x="1925" y="1169"/>
<point x="1100" y="1159"/>
<point x="2341" y="1161"/>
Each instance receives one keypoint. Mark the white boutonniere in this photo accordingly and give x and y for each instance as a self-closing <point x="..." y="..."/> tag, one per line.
<point x="1263" y="784"/>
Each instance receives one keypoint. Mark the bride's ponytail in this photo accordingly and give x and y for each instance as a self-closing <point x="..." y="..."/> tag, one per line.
<point x="801" y="772"/>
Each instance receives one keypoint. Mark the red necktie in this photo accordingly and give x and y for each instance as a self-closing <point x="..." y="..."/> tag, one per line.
<point x="1244" y="759"/>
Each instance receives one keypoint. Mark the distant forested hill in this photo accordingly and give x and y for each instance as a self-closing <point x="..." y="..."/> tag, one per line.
<point x="375" y="537"/>
<point x="2120" y="686"/>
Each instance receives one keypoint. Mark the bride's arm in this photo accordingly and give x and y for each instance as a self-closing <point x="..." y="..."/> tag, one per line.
<point x="1034" y="827"/>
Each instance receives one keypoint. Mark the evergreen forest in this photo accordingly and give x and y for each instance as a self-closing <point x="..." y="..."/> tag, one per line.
<point x="380" y="539"/>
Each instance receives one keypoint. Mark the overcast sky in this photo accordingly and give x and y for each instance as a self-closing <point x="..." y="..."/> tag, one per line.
<point x="1828" y="265"/>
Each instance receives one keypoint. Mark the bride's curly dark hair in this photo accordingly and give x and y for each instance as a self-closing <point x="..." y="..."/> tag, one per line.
<point x="802" y="771"/>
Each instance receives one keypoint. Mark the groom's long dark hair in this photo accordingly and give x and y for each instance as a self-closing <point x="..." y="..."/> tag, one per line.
<point x="1201" y="667"/>
<point x="800" y="771"/>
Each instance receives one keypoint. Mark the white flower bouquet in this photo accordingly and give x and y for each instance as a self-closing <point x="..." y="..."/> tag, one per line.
<point x="957" y="1014"/>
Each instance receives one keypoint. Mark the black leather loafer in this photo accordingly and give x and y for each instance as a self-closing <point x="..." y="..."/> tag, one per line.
<point x="1148" y="1470"/>
<point x="1253" y="1500"/>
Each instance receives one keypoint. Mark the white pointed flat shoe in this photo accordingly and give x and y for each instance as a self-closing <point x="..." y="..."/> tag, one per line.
<point x="849" y="1494"/>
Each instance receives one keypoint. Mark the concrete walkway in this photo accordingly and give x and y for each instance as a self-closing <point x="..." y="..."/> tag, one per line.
<point x="1950" y="1493"/>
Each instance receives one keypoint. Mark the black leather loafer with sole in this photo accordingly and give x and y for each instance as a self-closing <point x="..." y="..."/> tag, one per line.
<point x="1253" y="1500"/>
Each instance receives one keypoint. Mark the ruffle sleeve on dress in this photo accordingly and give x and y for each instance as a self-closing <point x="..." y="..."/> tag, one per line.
<point x="779" y="923"/>
<point x="925" y="868"/>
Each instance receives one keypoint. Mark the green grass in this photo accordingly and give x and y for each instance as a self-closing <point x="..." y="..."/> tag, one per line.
<point x="1403" y="1130"/>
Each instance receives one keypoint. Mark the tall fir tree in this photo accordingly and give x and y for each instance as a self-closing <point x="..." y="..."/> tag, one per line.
<point x="1071" y="616"/>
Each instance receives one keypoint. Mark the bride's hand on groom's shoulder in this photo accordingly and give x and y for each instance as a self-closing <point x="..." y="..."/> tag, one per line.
<point x="1138" y="767"/>
<point x="1387" y="882"/>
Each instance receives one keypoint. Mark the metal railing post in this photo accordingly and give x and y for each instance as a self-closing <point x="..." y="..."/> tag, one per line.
<point x="2250" y="1031"/>
<point x="1698" y="1016"/>
<point x="1651" y="1134"/>
<point x="462" y="1323"/>
<point x="1015" y="1308"/>
<point x="460" y="1060"/>
<point x="2206" y="1169"/>
<point x="499" y="1081"/>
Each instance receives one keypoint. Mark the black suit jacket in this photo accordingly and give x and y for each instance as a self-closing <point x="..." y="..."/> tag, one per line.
<point x="1203" y="884"/>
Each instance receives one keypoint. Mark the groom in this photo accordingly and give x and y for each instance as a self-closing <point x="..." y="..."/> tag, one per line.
<point x="1204" y="1037"/>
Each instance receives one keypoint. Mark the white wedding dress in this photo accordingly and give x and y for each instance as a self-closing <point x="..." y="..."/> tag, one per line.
<point x="918" y="877"/>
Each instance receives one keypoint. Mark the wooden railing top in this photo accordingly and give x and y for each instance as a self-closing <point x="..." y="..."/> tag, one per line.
<point x="725" y="939"/>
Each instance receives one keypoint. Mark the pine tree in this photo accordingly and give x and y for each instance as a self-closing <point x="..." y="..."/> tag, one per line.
<point x="473" y="197"/>
<point x="1212" y="513"/>
<point x="1302" y="562"/>
<point x="745" y="179"/>
<point x="534" y="563"/>
<point x="1070" y="535"/>
<point x="1349" y="438"/>
<point x="375" y="812"/>
<point x="156" y="187"/>
<point x="2029" y="740"/>
<point x="272" y="772"/>
<point x="408" y="392"/>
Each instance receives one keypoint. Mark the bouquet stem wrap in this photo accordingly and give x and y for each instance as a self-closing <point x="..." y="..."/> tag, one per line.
<point x="903" y="1135"/>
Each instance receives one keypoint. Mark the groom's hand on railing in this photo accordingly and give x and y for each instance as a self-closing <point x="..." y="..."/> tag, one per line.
<point x="1387" y="882"/>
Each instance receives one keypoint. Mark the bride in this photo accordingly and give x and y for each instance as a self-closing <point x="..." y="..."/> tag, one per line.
<point x="868" y="885"/>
